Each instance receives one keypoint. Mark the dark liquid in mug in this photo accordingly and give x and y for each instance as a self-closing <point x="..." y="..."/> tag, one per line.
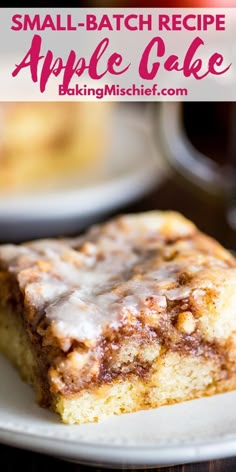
<point x="211" y="128"/>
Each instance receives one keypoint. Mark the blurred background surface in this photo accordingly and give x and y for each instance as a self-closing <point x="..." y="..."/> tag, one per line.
<point x="66" y="165"/>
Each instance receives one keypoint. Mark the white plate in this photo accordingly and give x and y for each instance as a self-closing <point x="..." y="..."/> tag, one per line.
<point x="189" y="432"/>
<point x="132" y="166"/>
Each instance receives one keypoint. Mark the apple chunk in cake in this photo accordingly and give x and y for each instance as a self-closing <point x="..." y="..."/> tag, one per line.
<point x="137" y="313"/>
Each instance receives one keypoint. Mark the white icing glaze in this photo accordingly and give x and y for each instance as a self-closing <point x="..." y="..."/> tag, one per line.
<point x="122" y="271"/>
<point x="178" y="293"/>
<point x="39" y="293"/>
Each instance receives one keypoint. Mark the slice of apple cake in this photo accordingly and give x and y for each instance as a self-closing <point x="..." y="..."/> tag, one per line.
<point x="137" y="313"/>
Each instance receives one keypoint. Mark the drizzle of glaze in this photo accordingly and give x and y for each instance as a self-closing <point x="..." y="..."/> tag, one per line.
<point x="113" y="274"/>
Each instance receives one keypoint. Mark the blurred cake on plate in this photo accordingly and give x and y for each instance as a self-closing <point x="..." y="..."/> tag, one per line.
<point x="44" y="142"/>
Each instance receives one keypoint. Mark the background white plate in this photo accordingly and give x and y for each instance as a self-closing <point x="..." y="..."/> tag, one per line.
<point x="130" y="167"/>
<point x="189" y="432"/>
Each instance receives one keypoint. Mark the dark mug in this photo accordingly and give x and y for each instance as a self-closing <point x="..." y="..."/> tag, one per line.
<point x="198" y="141"/>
